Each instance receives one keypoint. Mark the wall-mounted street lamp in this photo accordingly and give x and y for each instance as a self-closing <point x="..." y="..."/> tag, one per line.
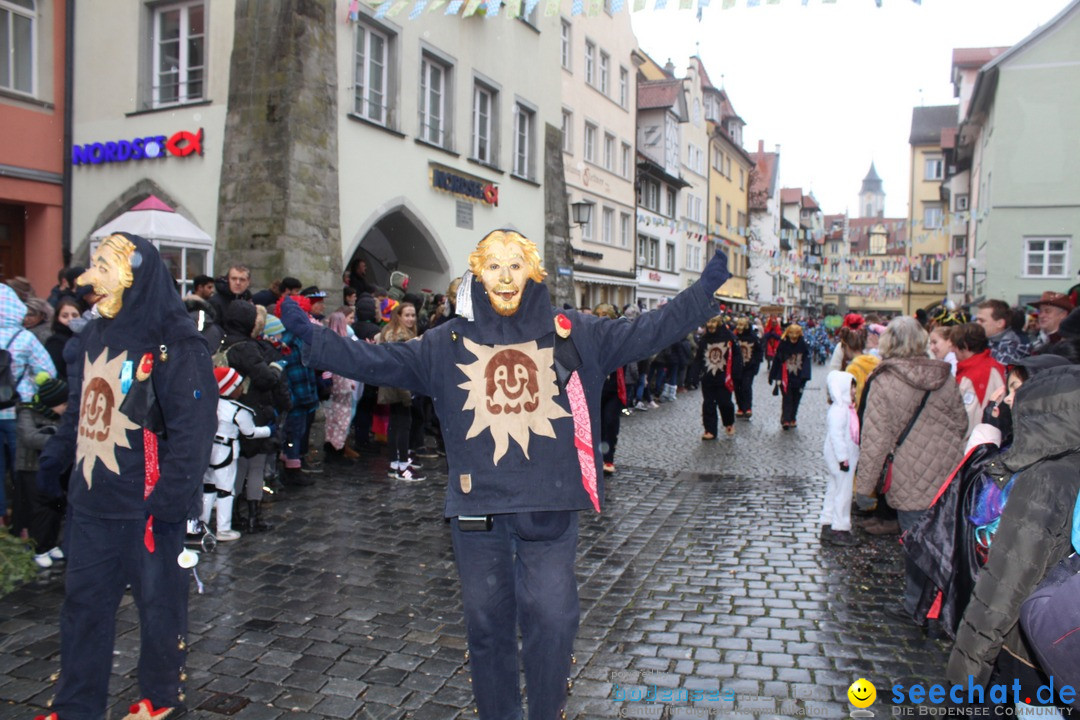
<point x="581" y="212"/>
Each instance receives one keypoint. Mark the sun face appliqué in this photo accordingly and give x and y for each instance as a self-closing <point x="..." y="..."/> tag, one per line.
<point x="716" y="355"/>
<point x="102" y="427"/>
<point x="511" y="393"/>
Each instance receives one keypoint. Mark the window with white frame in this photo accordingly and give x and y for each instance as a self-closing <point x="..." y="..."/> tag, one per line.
<point x="672" y="202"/>
<point x="669" y="257"/>
<point x="590" y="62"/>
<point x="485" y="123"/>
<point x="649" y="195"/>
<point x="184" y="263"/>
<point x="627" y="153"/>
<point x="624" y="87"/>
<point x="590" y="142"/>
<point x="693" y="256"/>
<point x="607" y="226"/>
<point x="931" y="270"/>
<point x="18" y="51"/>
<point x="179" y="54"/>
<point x="524" y="131"/>
<point x="648" y="251"/>
<point x="605" y="72"/>
<point x="434" y="101"/>
<point x="371" y="73"/>
<point x="933" y="216"/>
<point x="624" y="230"/>
<point x="565" y="39"/>
<point x="961" y="202"/>
<point x="1046" y="256"/>
<point x="609" y="152"/>
<point x="934" y="168"/>
<point x="567" y="131"/>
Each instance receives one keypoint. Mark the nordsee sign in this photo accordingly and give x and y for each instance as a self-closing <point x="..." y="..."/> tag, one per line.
<point x="151" y="147"/>
<point x="464" y="186"/>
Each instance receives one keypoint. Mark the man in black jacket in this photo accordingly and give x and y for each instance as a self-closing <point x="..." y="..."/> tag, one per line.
<point x="232" y="286"/>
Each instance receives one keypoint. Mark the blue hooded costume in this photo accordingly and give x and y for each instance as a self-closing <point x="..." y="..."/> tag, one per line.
<point x="519" y="407"/>
<point x="139" y="426"/>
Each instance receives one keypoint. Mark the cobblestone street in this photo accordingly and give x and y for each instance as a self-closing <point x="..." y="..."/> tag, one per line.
<point x="704" y="572"/>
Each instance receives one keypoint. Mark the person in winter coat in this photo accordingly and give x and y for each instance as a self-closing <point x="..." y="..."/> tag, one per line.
<point x="401" y="329"/>
<point x="233" y="286"/>
<point x="207" y="322"/>
<point x="38" y="320"/>
<point x="339" y="409"/>
<point x="266" y="393"/>
<point x="1033" y="535"/>
<point x="139" y="424"/>
<point x="770" y="335"/>
<point x="854" y="358"/>
<point x="934" y="446"/>
<point x="39" y="516"/>
<point x="721" y="365"/>
<point x="791" y="371"/>
<point x="980" y="376"/>
<point x="517" y="386"/>
<point x="750" y="347"/>
<point x="28" y="358"/>
<point x="366" y="327"/>
<point x="613" y="398"/>
<point x="399" y="285"/>
<point x="841" y="456"/>
<point x="67" y="309"/>
<point x="303" y="396"/>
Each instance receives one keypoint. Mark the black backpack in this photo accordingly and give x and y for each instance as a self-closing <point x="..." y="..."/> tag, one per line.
<point x="9" y="395"/>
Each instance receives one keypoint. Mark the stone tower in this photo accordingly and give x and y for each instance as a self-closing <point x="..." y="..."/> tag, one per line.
<point x="278" y="207"/>
<point x="872" y="196"/>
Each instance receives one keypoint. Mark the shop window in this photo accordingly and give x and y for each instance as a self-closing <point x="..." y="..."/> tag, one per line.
<point x="373" y="97"/>
<point x="18" y="28"/>
<point x="179" y="54"/>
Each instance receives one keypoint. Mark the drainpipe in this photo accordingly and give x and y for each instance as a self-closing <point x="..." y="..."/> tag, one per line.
<point x="69" y="93"/>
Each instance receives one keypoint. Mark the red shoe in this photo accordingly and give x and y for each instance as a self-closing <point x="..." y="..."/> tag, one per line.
<point x="144" y="710"/>
<point x="50" y="716"/>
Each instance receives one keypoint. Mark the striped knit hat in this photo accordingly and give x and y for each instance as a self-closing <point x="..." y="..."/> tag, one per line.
<point x="227" y="380"/>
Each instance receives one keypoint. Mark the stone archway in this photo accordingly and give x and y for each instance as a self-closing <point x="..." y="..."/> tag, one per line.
<point x="396" y="237"/>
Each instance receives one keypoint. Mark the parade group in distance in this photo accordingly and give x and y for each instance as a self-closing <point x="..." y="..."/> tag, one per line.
<point x="140" y="419"/>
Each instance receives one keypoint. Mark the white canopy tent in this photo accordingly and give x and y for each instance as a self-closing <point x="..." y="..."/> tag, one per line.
<point x="185" y="247"/>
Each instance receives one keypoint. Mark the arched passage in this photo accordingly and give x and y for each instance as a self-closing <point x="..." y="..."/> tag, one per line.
<point x="396" y="237"/>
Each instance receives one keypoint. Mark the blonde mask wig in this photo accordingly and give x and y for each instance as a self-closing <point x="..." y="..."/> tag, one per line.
<point x="528" y="247"/>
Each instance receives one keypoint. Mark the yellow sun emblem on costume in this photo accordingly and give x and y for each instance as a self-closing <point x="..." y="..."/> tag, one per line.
<point x="102" y="427"/>
<point x="511" y="392"/>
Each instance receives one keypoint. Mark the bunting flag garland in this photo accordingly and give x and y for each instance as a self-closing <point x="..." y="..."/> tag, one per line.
<point x="491" y="8"/>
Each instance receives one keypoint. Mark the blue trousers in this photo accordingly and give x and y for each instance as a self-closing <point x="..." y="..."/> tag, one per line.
<point x="103" y="557"/>
<point x="520" y="574"/>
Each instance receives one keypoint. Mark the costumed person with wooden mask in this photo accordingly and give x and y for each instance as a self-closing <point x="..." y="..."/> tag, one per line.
<point x="516" y="385"/>
<point x="791" y="371"/>
<point x="720" y="362"/>
<point x="139" y="425"/>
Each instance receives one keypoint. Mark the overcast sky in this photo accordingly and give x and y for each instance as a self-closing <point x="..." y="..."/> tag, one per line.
<point x="834" y="84"/>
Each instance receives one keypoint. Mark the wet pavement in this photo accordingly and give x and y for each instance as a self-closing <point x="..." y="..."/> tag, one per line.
<point x="703" y="574"/>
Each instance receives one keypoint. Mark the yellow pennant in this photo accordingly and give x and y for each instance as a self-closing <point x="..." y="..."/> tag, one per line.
<point x="471" y="7"/>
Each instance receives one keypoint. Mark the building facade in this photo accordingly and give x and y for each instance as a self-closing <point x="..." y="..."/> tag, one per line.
<point x="33" y="110"/>
<point x="430" y="133"/>
<point x="764" y="284"/>
<point x="930" y="214"/>
<point x="1017" y="140"/>
<point x="598" y="57"/>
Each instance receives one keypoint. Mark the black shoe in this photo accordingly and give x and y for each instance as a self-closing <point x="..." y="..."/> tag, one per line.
<point x="897" y="613"/>
<point x="841" y="538"/>
<point x="825" y="530"/>
<point x="310" y="467"/>
<point x="294" y="477"/>
<point x="425" y="452"/>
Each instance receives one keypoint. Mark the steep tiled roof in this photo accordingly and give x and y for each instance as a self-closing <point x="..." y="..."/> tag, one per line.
<point x="809" y="203"/>
<point x="928" y="122"/>
<point x="975" y="57"/>
<point x="859" y="234"/>
<point x="705" y="82"/>
<point x="790" y="196"/>
<point x="831" y="233"/>
<point x="763" y="178"/>
<point x="658" y="94"/>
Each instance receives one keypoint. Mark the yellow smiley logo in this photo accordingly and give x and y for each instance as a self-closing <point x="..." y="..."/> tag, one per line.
<point x="862" y="693"/>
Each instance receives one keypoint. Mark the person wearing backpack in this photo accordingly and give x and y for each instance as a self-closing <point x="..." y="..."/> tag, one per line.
<point x="21" y="359"/>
